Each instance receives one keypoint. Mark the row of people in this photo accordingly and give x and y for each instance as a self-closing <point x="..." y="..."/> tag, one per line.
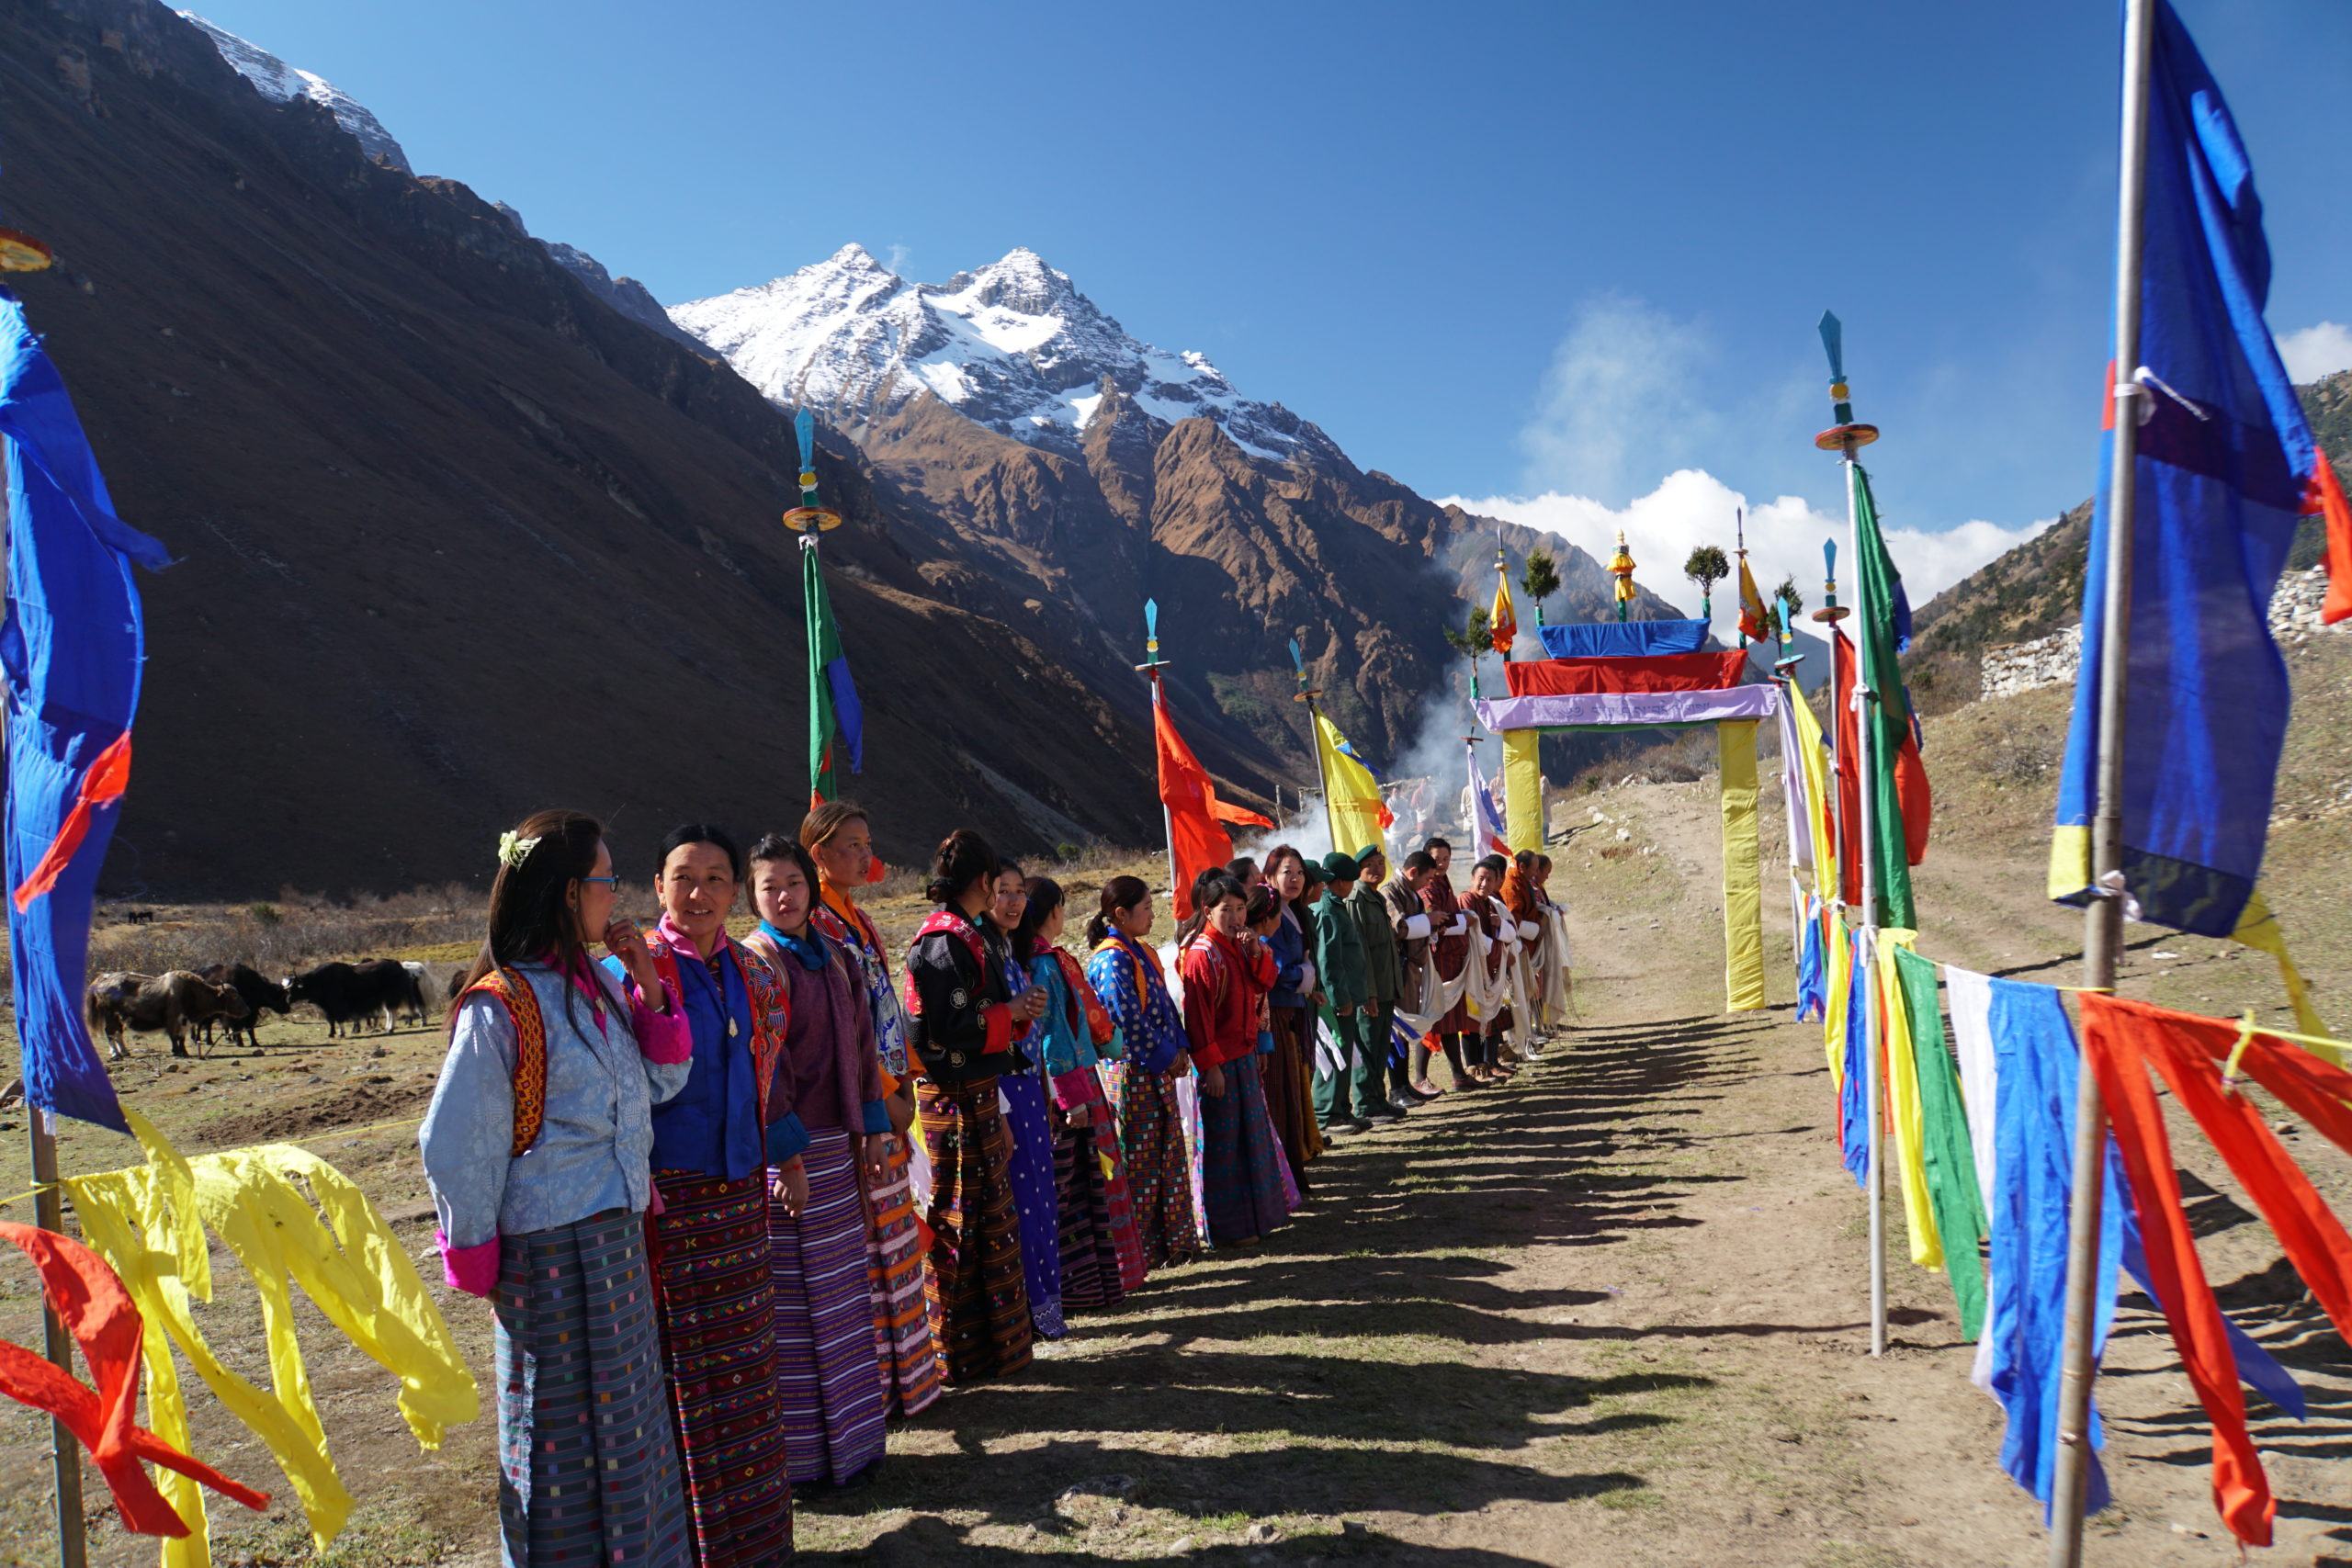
<point x="739" y="1203"/>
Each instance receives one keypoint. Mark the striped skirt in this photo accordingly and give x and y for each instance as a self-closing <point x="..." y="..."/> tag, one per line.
<point x="895" y="1252"/>
<point x="1159" y="1167"/>
<point x="1034" y="1202"/>
<point x="1287" y="1103"/>
<point x="979" y="1306"/>
<point x="587" y="1468"/>
<point x="1243" y="1163"/>
<point x="718" y="1309"/>
<point x="1102" y="1259"/>
<point x="825" y="1371"/>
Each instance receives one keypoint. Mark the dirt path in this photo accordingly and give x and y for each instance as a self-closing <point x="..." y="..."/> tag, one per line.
<point x="1611" y="1315"/>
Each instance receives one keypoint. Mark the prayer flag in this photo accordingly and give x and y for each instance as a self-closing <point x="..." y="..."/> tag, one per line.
<point x="1194" y="837"/>
<point x="73" y="647"/>
<point x="1485" y="822"/>
<point x="1948" y="1158"/>
<point x="1625" y="673"/>
<point x="836" y="721"/>
<point x="1584" y="639"/>
<point x="1503" y="618"/>
<point x="1752" y="619"/>
<point x="2225" y="466"/>
<point x="1359" y="817"/>
<point x="1899" y="801"/>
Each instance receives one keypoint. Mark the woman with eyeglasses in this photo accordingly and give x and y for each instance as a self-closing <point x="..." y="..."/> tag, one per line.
<point x="536" y="1147"/>
<point x="716" y="1158"/>
<point x="962" y="1017"/>
<point x="840" y="840"/>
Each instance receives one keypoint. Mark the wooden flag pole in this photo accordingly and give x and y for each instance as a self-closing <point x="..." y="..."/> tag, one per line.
<point x="66" y="1450"/>
<point x="2103" y="918"/>
<point x="1315" y="731"/>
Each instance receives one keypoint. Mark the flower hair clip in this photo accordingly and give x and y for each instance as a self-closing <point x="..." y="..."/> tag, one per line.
<point x="513" y="850"/>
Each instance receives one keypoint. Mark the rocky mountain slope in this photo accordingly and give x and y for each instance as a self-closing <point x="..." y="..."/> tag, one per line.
<point x="457" y="539"/>
<point x="2037" y="588"/>
<point x="1105" y="471"/>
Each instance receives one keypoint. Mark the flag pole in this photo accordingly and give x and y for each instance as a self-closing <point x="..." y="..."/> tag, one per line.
<point x="2103" y="917"/>
<point x="1151" y="668"/>
<point x="65" y="1450"/>
<point x="1314" y="732"/>
<point x="1842" y="438"/>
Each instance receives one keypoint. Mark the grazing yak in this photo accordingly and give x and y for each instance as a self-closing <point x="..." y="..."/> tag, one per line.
<point x="169" y="1003"/>
<point x="349" y="992"/>
<point x="260" y="996"/>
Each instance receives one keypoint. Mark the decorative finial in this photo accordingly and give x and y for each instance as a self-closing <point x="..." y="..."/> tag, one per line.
<point x="1620" y="566"/>
<point x="1831" y="610"/>
<point x="808" y="514"/>
<point x="1844" y="436"/>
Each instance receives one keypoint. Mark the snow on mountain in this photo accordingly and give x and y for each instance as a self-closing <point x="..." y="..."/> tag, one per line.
<point x="1013" y="347"/>
<point x="280" y="82"/>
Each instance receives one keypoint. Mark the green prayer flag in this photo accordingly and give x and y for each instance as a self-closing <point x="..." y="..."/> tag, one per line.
<point x="1949" y="1159"/>
<point x="1881" y="629"/>
<point x="836" y="722"/>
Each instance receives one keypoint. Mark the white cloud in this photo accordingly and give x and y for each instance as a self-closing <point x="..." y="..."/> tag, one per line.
<point x="1616" y="406"/>
<point x="1692" y="507"/>
<point x="2317" y="351"/>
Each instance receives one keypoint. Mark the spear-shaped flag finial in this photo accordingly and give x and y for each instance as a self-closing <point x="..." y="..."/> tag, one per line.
<point x="808" y="513"/>
<point x="1844" y="436"/>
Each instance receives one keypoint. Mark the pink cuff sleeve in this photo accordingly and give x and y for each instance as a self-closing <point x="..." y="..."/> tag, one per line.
<point x="664" y="1039"/>
<point x="1068" y="1092"/>
<point x="473" y="1269"/>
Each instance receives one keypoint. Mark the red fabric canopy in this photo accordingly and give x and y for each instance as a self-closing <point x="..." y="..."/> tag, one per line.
<point x="1623" y="672"/>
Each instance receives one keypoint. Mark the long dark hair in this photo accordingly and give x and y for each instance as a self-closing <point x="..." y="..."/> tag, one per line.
<point x="530" y="907"/>
<point x="962" y="859"/>
<point x="1044" y="897"/>
<point x="1274" y="856"/>
<point x="1119" y="894"/>
<point x="1192" y="924"/>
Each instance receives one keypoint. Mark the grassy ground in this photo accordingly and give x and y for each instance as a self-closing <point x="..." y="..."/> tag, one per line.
<point x="1613" y="1314"/>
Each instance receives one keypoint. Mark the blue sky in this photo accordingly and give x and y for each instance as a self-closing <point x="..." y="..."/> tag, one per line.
<point x="1497" y="250"/>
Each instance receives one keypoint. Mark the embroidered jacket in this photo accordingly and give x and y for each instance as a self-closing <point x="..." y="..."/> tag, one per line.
<point x="1127" y="976"/>
<point x="959" y="1019"/>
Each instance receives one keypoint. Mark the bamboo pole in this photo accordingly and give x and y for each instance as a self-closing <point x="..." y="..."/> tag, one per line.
<point x="2103" y="918"/>
<point x="66" y="1452"/>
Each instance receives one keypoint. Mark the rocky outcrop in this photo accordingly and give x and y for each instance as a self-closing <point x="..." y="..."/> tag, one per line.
<point x="2053" y="660"/>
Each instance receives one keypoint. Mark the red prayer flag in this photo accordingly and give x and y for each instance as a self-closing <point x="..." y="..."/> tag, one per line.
<point x="98" y="1312"/>
<point x="2123" y="1040"/>
<point x="1625" y="673"/>
<point x="1194" y="836"/>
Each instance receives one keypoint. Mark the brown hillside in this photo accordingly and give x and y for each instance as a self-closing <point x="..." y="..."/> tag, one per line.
<point x="458" y="539"/>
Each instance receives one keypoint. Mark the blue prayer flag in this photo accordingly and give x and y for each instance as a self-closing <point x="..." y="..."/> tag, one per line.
<point x="2225" y="466"/>
<point x="1588" y="639"/>
<point x="70" y="646"/>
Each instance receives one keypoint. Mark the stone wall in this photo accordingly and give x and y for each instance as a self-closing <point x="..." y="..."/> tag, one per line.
<point x="2052" y="661"/>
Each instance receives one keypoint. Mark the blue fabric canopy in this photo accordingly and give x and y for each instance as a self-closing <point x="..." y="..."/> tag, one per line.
<point x="1587" y="639"/>
<point x="70" y="646"/>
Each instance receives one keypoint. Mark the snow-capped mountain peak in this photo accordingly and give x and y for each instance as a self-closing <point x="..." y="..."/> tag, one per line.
<point x="280" y="82"/>
<point x="1012" y="345"/>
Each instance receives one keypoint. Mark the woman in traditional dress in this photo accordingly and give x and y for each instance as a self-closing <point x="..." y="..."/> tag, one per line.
<point x="713" y="1268"/>
<point x="962" y="1020"/>
<point x="1288" y="1077"/>
<point x="1035" y="1197"/>
<point x="1102" y="1259"/>
<point x="1225" y="971"/>
<point x="1124" y="971"/>
<point x="1499" y="929"/>
<point x="535" y="1148"/>
<point x="834" y="1404"/>
<point x="1450" y="951"/>
<point x="839" y="838"/>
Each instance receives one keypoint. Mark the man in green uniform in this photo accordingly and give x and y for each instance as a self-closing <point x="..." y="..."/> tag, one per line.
<point x="1338" y="963"/>
<point x="1384" y="983"/>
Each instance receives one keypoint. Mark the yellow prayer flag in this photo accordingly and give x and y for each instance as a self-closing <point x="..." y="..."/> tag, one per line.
<point x="1358" y="814"/>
